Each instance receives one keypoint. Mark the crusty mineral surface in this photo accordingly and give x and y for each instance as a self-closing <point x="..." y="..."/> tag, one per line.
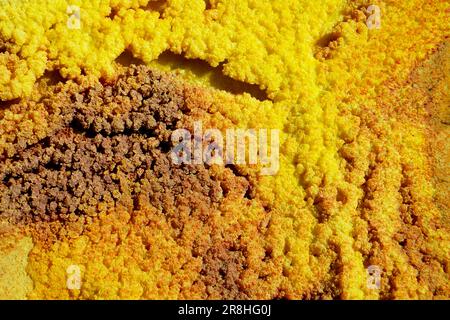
<point x="357" y="90"/>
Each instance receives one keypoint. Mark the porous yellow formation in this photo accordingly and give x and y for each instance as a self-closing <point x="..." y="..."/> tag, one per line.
<point x="363" y="114"/>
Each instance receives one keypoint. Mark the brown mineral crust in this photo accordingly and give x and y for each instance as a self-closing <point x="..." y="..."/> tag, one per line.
<point x="114" y="150"/>
<point x="107" y="146"/>
<point x="222" y="267"/>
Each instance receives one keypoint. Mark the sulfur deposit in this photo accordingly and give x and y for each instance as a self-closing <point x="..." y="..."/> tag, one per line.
<point x="91" y="91"/>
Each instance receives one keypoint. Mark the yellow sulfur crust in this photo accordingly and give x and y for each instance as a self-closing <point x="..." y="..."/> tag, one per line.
<point x="364" y="153"/>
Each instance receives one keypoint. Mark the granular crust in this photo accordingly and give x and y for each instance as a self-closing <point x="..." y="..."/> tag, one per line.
<point x="363" y="176"/>
<point x="108" y="149"/>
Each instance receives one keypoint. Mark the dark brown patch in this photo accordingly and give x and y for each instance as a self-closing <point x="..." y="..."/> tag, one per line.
<point x="106" y="145"/>
<point x="112" y="149"/>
